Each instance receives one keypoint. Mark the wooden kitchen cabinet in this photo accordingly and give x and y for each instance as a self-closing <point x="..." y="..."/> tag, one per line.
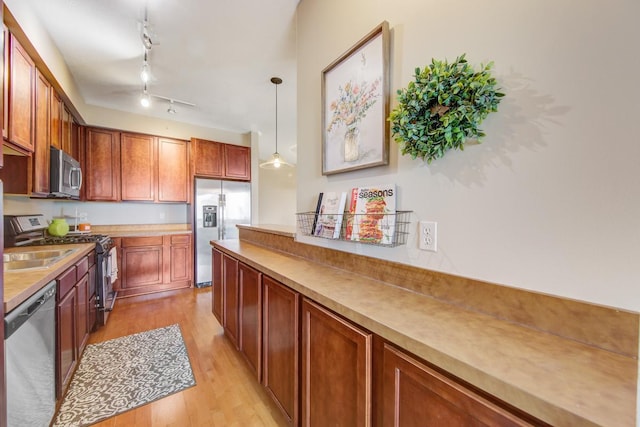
<point x="216" y="286"/>
<point x="21" y="96"/>
<point x="142" y="265"/>
<point x="67" y="120"/>
<point x="230" y="291"/>
<point x="336" y="369"/>
<point x="102" y="165"/>
<point x="137" y="163"/>
<point x="173" y="171"/>
<point x="40" y="157"/>
<point x="180" y="256"/>
<point x="152" y="264"/>
<point x="250" y="317"/>
<point x="55" y="119"/>
<point x="414" y="394"/>
<point x="154" y="169"/>
<point x="281" y="347"/>
<point x="66" y="339"/>
<point x="218" y="160"/>
<point x="237" y="162"/>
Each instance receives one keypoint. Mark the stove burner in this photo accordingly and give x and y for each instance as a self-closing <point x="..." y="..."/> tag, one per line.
<point x="80" y="238"/>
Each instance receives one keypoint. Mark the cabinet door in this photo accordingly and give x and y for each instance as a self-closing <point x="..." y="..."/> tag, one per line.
<point x="216" y="285"/>
<point x="55" y="124"/>
<point x="413" y="394"/>
<point x="237" y="162"/>
<point x="230" y="285"/>
<point x="66" y="339"/>
<point x="21" y="96"/>
<point x="137" y="163"/>
<point x="66" y="130"/>
<point x="141" y="266"/>
<point x="92" y="316"/>
<point x="82" y="322"/>
<point x="102" y="165"/>
<point x="280" y="373"/>
<point x="336" y="370"/>
<point x="180" y="255"/>
<point x="40" y="158"/>
<point x="173" y="170"/>
<point x="207" y="156"/>
<point x="250" y="294"/>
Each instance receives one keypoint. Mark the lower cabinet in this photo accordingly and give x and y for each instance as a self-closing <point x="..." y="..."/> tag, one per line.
<point x="230" y="302"/>
<point x="250" y="317"/>
<point x="336" y="370"/>
<point x="216" y="285"/>
<point x="154" y="264"/>
<point x="323" y="370"/>
<point x="414" y="394"/>
<point x="66" y="318"/>
<point x="281" y="347"/>
<point x="72" y="319"/>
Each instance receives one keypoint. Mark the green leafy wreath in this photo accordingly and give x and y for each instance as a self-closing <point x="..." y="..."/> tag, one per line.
<point x="443" y="107"/>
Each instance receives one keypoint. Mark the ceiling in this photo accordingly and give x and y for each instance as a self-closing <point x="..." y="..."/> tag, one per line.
<point x="217" y="54"/>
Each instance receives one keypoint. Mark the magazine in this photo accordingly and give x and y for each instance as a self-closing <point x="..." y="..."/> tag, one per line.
<point x="329" y="221"/>
<point x="352" y="210"/>
<point x="374" y="214"/>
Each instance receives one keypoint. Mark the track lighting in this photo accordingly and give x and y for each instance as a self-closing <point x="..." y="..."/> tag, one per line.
<point x="145" y="99"/>
<point x="145" y="74"/>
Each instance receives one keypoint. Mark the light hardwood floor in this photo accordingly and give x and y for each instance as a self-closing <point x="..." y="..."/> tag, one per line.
<point x="226" y="392"/>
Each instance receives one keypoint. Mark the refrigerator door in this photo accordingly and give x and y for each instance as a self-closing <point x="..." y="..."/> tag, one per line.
<point x="236" y="207"/>
<point x="206" y="225"/>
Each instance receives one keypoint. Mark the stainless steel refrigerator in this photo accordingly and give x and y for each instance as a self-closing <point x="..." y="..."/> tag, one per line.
<point x="219" y="206"/>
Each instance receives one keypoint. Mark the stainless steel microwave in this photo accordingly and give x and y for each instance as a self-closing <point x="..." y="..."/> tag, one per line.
<point x="65" y="175"/>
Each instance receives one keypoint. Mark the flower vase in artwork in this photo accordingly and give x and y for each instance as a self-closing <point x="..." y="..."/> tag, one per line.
<point x="352" y="144"/>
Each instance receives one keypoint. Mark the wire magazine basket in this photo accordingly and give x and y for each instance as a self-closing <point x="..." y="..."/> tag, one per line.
<point x="388" y="230"/>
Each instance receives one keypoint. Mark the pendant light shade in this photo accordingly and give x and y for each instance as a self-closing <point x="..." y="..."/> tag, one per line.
<point x="275" y="162"/>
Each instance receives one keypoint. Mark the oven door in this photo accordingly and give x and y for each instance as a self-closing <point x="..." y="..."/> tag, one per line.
<point x="108" y="275"/>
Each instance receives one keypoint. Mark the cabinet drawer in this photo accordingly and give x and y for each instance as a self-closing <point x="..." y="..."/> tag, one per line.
<point x="129" y="242"/>
<point x="66" y="281"/>
<point x="91" y="258"/>
<point x="180" y="239"/>
<point x="82" y="267"/>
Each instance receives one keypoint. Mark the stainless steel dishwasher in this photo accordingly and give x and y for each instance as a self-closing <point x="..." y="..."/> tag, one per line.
<point x="30" y="359"/>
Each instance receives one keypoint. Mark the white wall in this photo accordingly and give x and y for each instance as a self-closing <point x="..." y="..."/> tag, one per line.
<point x="277" y="196"/>
<point x="550" y="200"/>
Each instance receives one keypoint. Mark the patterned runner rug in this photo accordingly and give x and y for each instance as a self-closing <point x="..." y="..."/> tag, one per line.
<point x="124" y="373"/>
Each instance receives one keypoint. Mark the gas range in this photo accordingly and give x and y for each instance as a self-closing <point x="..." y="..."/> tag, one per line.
<point x="102" y="241"/>
<point x="31" y="230"/>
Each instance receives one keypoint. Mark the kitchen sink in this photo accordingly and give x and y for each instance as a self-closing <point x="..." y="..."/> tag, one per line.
<point x="33" y="259"/>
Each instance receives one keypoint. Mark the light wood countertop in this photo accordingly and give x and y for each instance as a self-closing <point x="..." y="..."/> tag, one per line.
<point x="282" y="230"/>
<point x="19" y="285"/>
<point x="560" y="381"/>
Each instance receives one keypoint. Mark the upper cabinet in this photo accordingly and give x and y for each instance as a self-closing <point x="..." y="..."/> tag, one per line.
<point x="55" y="118"/>
<point x="40" y="157"/>
<point x="102" y="165"/>
<point x="217" y="160"/>
<point x="135" y="167"/>
<point x="21" y="88"/>
<point x="173" y="170"/>
<point x="138" y="154"/>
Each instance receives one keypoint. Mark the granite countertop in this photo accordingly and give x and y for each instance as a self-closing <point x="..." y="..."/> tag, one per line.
<point x="19" y="285"/>
<point x="560" y="381"/>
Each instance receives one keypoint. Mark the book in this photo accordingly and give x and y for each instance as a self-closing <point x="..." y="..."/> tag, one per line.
<point x="329" y="221"/>
<point x="351" y="212"/>
<point x="317" y="212"/>
<point x="374" y="216"/>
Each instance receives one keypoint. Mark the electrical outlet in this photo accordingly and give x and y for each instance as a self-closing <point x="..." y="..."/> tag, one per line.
<point x="428" y="234"/>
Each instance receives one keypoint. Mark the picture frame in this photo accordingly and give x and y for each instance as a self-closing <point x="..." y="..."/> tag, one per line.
<point x="355" y="106"/>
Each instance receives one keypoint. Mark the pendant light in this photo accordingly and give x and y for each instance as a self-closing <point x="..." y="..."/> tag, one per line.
<point x="275" y="162"/>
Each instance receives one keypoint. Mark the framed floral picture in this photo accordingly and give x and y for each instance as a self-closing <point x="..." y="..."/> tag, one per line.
<point x="355" y="106"/>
